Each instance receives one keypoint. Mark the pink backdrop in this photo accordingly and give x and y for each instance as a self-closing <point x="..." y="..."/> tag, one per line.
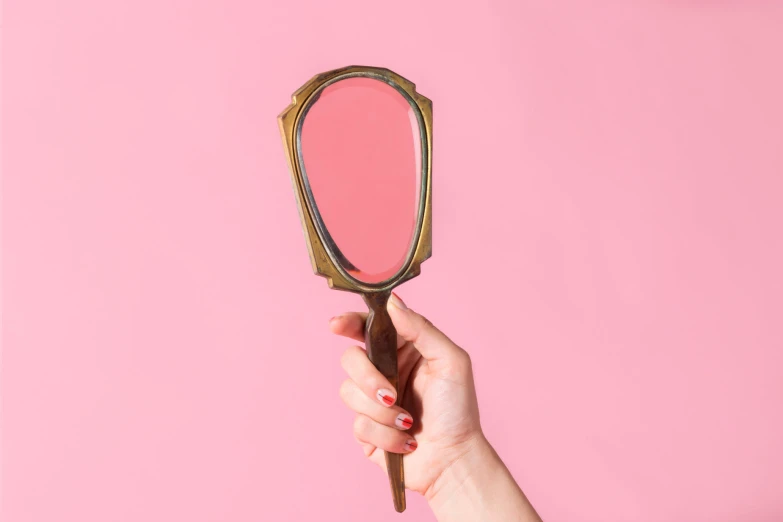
<point x="608" y="184"/>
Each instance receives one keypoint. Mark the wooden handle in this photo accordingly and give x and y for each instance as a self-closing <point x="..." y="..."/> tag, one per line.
<point x="380" y="338"/>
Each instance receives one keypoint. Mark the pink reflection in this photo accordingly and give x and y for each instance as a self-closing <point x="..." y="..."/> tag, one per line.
<point x="362" y="158"/>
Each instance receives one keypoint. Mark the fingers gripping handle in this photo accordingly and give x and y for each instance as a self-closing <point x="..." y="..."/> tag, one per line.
<point x="380" y="339"/>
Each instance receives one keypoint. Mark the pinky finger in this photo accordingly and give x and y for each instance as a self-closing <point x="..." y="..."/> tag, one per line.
<point x="374" y="454"/>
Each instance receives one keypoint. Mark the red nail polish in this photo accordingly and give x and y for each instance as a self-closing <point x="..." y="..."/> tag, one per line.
<point x="385" y="396"/>
<point x="403" y="421"/>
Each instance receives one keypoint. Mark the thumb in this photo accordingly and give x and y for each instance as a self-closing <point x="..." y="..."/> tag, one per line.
<point x="428" y="340"/>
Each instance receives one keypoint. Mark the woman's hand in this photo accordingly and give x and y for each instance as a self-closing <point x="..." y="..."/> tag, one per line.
<point x="434" y="421"/>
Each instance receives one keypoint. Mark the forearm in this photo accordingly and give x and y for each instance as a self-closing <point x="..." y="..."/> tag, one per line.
<point x="478" y="487"/>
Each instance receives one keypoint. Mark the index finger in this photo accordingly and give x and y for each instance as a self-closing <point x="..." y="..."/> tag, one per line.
<point x="351" y="325"/>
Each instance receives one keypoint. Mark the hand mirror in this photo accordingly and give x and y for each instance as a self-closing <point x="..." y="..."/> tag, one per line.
<point x="359" y="146"/>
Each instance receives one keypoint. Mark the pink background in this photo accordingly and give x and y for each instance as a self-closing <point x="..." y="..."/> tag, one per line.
<point x="608" y="181"/>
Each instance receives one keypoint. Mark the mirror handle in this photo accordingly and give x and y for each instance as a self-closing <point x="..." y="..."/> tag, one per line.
<point x="380" y="339"/>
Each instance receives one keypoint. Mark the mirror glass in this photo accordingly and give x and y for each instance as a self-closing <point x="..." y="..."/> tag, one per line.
<point x="360" y="152"/>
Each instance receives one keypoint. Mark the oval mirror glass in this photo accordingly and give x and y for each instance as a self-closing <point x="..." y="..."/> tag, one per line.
<point x="360" y="153"/>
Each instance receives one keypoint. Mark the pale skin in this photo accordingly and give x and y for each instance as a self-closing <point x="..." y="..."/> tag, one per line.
<point x="434" y="421"/>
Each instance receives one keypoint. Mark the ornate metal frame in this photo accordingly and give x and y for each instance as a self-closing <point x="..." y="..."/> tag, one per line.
<point x="323" y="255"/>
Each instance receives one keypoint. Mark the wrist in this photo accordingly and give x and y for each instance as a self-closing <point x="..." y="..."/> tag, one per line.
<point x="463" y="475"/>
<point x="477" y="486"/>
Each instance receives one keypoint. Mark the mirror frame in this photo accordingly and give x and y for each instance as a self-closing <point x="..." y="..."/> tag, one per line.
<point x="323" y="258"/>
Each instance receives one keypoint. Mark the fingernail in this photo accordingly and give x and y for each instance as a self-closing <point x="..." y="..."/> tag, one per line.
<point x="411" y="445"/>
<point x="333" y="319"/>
<point x="403" y="421"/>
<point x="396" y="301"/>
<point x="385" y="396"/>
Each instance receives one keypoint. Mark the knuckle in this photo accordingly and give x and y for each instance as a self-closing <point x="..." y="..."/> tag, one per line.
<point x="464" y="363"/>
<point x="348" y="354"/>
<point x="372" y="384"/>
<point x="361" y="425"/>
<point x="425" y="326"/>
<point x="345" y="390"/>
<point x="460" y="365"/>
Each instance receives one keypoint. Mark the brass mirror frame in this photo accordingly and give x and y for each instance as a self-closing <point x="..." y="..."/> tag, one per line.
<point x="322" y="258"/>
<point x="325" y="257"/>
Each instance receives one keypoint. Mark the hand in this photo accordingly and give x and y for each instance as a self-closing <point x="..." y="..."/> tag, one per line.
<point x="434" y="421"/>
